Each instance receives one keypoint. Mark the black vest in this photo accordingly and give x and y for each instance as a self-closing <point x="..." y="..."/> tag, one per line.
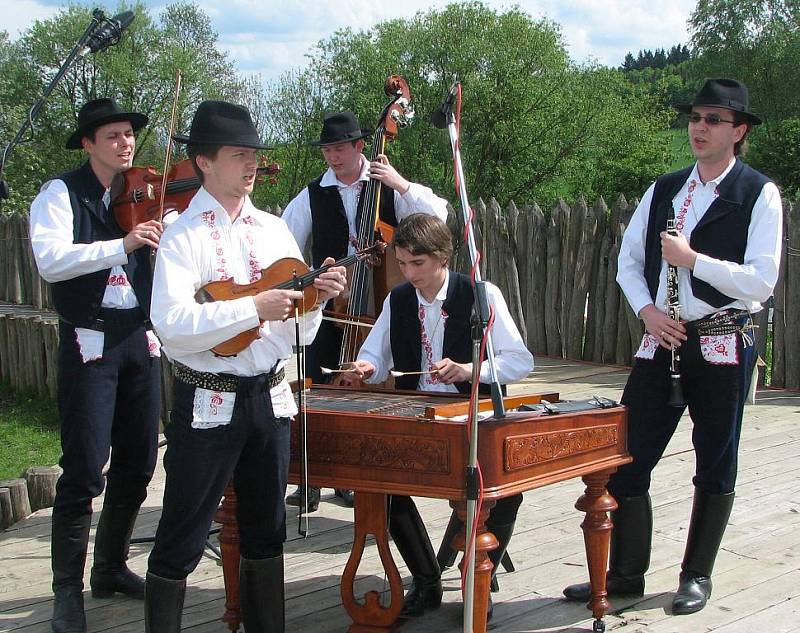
<point x="406" y="338"/>
<point x="726" y="240"/>
<point x="78" y="300"/>
<point x="329" y="230"/>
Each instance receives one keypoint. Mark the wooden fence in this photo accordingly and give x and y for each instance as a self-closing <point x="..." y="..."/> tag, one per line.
<point x="556" y="270"/>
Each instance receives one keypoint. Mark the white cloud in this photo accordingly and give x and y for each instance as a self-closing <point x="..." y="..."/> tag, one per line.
<point x="268" y="37"/>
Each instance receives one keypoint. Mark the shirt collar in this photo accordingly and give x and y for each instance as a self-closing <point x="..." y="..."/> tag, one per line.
<point x="329" y="178"/>
<point x="695" y="175"/>
<point x="203" y="201"/>
<point x="441" y="295"/>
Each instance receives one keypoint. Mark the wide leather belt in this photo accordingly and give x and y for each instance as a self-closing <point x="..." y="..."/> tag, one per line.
<point x="221" y="382"/>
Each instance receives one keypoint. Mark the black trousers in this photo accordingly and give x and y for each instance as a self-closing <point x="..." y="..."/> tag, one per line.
<point x="108" y="404"/>
<point x="715" y="395"/>
<point x="324" y="351"/>
<point x="253" y="449"/>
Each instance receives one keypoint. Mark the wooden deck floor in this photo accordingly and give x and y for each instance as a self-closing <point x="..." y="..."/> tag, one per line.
<point x="756" y="580"/>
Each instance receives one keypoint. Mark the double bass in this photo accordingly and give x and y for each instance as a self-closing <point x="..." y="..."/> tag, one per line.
<point x="397" y="114"/>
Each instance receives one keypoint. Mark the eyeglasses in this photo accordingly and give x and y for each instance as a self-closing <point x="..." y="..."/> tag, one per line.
<point x="711" y="119"/>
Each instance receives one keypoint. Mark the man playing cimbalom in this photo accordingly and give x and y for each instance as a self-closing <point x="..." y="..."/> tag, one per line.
<point x="231" y="414"/>
<point x="326" y="211"/>
<point x="109" y="373"/>
<point x="726" y="248"/>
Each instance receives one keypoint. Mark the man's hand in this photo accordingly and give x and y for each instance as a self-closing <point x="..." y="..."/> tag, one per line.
<point x="360" y="371"/>
<point x="275" y="304"/>
<point x="144" y="234"/>
<point x="676" y="250"/>
<point x="450" y="371"/>
<point x="668" y="331"/>
<point x="380" y="169"/>
<point x="330" y="283"/>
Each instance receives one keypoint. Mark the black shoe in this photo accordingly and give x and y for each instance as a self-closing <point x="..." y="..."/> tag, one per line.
<point x="692" y="595"/>
<point x="68" y="614"/>
<point x="710" y="514"/>
<point x="105" y="582"/>
<point x="346" y="495"/>
<point x="620" y="587"/>
<point x="314" y="496"/>
<point x="421" y="597"/>
<point x="261" y="595"/>
<point x="110" y="573"/>
<point x="163" y="604"/>
<point x="70" y="540"/>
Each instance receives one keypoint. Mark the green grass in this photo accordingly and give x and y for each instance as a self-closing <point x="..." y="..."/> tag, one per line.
<point x="28" y="432"/>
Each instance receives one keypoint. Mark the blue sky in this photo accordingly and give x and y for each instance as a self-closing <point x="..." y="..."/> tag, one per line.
<point x="267" y="37"/>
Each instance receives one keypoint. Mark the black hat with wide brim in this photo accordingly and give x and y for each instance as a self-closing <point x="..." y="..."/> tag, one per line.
<point x="99" y="112"/>
<point x="222" y="123"/>
<point x="723" y="93"/>
<point x="342" y="127"/>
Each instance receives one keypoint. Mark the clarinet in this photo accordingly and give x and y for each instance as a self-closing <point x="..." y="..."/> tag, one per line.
<point x="673" y="306"/>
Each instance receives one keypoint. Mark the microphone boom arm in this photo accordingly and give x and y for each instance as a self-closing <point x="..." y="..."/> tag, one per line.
<point x="78" y="50"/>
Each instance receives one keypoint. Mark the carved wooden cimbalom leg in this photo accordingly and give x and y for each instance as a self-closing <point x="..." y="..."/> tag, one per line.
<point x="371" y="616"/>
<point x="485" y="542"/>
<point x="229" y="550"/>
<point x="597" y="503"/>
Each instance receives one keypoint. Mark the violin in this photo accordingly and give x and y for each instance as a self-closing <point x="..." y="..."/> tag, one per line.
<point x="136" y="193"/>
<point x="287" y="273"/>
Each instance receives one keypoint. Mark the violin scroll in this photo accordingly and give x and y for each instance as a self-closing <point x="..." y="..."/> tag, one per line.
<point x="267" y="171"/>
<point x="400" y="112"/>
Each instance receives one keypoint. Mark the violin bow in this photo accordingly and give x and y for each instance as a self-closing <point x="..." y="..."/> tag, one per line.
<point x="168" y="154"/>
<point x="302" y="429"/>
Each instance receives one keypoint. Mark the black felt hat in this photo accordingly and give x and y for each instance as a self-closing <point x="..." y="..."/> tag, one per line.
<point x="95" y="113"/>
<point x="222" y="123"/>
<point x="340" y="128"/>
<point x="723" y="93"/>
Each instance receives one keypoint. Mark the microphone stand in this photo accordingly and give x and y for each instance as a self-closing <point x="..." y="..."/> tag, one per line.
<point x="480" y="318"/>
<point x="78" y="51"/>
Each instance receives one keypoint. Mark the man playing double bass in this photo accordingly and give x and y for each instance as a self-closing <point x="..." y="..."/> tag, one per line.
<point x="326" y="210"/>
<point x="109" y="373"/>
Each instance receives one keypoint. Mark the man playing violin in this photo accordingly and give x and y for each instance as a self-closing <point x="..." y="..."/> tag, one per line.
<point x="326" y="210"/>
<point x="109" y="381"/>
<point x="424" y="331"/>
<point x="231" y="414"/>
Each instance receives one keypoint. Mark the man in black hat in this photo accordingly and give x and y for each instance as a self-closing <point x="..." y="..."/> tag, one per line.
<point x="726" y="247"/>
<point x="326" y="211"/>
<point x="231" y="414"/>
<point x="109" y="384"/>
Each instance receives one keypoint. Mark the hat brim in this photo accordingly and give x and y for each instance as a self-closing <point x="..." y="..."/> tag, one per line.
<point x="137" y="120"/>
<point x="686" y="108"/>
<point x="347" y="139"/>
<point x="188" y="140"/>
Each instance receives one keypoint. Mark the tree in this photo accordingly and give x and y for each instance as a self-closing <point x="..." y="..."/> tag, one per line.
<point x="758" y="42"/>
<point x="139" y="72"/>
<point x="534" y="125"/>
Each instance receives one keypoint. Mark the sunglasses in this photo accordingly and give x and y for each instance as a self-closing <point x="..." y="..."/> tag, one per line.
<point x="711" y="119"/>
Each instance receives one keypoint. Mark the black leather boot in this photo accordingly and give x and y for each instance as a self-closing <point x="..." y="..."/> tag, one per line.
<point x="163" y="604"/>
<point x="447" y="554"/>
<point x="261" y="595"/>
<point x="314" y="496"/>
<point x="347" y="496"/>
<point x="710" y="514"/>
<point x="69" y="542"/>
<point x="110" y="573"/>
<point x="630" y="551"/>
<point x="411" y="538"/>
<point x="503" y="535"/>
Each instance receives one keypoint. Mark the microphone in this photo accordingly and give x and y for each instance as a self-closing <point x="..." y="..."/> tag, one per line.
<point x="440" y="116"/>
<point x="108" y="33"/>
